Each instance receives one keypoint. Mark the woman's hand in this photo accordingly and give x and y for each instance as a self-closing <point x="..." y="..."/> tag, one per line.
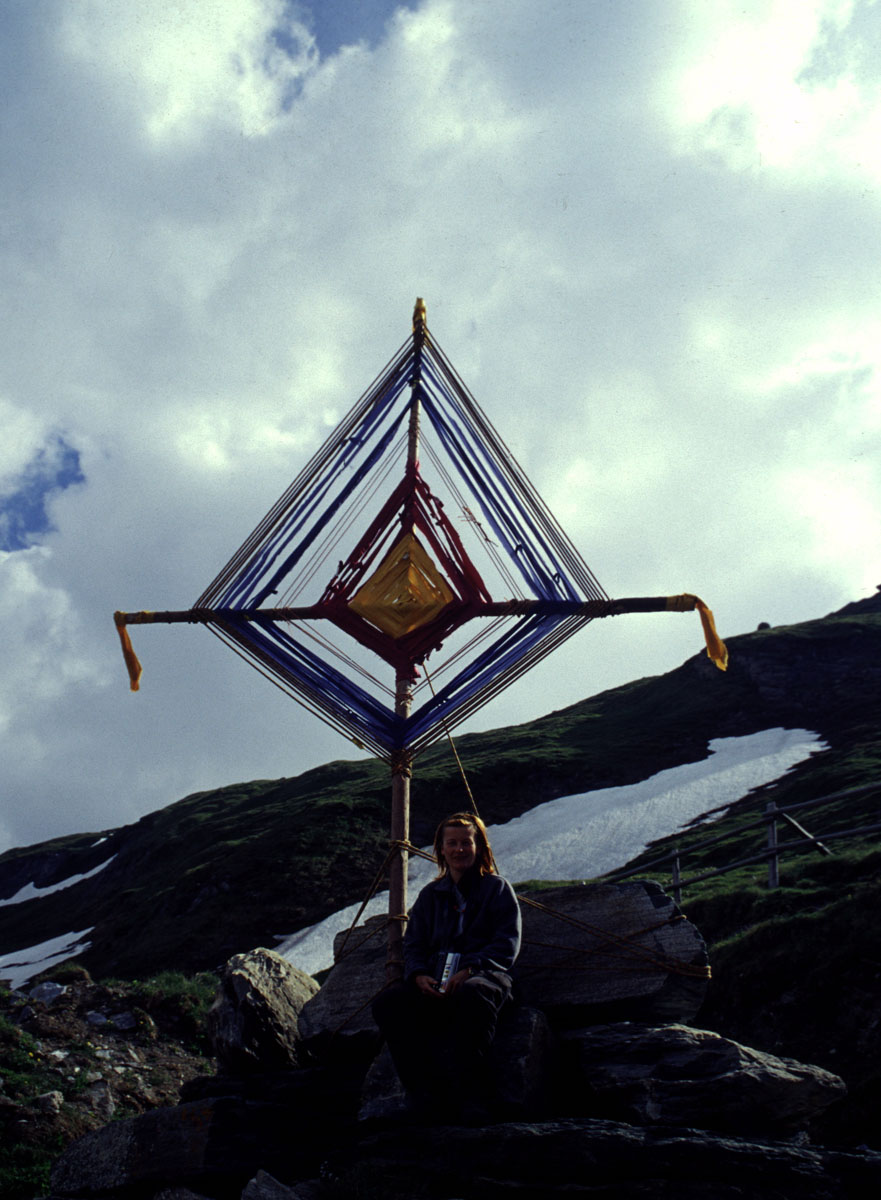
<point x="426" y="984"/>
<point x="454" y="980"/>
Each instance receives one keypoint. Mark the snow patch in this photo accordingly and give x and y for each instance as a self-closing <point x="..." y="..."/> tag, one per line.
<point x="592" y="833"/>
<point x="21" y="965"/>
<point x="30" y="891"/>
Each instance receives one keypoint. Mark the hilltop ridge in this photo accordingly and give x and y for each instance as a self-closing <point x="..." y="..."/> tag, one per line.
<point x="224" y="870"/>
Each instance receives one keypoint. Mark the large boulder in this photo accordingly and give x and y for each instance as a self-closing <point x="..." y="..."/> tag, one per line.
<point x="610" y="951"/>
<point x="212" y="1146"/>
<point x="254" y="1022"/>
<point x="341" y="1009"/>
<point x="591" y="952"/>
<point x="673" y="1075"/>
<point x="584" y="1157"/>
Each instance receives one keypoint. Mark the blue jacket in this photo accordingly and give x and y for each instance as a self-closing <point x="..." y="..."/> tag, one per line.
<point x="490" y="930"/>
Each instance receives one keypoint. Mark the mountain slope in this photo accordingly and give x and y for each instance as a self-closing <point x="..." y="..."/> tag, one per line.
<point x="222" y="871"/>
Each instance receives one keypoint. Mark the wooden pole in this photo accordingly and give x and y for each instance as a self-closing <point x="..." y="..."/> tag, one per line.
<point x="773" y="862"/>
<point x="677" y="876"/>
<point x="402" y="762"/>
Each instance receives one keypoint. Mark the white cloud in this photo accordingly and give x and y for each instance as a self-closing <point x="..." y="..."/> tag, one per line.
<point x="191" y="66"/>
<point x="214" y="246"/>
<point x="44" y="657"/>
<point x="23" y="435"/>
<point x="766" y="86"/>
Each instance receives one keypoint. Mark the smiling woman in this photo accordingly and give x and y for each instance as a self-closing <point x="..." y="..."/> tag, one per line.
<point x="462" y="939"/>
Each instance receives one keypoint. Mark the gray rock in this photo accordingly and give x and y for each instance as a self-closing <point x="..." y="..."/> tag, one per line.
<point x="123" y="1022"/>
<point x="201" y="1145"/>
<point x="48" y="1102"/>
<point x="610" y="951"/>
<point x="265" y="1187"/>
<point x="46" y="993"/>
<point x="383" y="1096"/>
<point x="594" y="952"/>
<point x="254" y="1022"/>
<point x="571" y="1158"/>
<point x="178" y="1193"/>
<point x="342" y="1007"/>
<point x="673" y="1075"/>
<point x="522" y="1061"/>
<point x="99" y="1096"/>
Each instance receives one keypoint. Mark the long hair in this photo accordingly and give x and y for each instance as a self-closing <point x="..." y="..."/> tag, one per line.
<point x="485" y="859"/>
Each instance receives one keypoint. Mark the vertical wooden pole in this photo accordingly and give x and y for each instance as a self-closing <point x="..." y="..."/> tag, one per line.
<point x="401" y="764"/>
<point x="677" y="877"/>
<point x="773" y="861"/>
<point x="400" y="833"/>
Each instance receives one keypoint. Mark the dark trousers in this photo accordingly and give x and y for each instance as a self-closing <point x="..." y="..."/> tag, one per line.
<point x="439" y="1043"/>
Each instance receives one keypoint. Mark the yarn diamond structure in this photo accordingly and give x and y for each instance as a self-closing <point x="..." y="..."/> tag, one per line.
<point x="460" y="581"/>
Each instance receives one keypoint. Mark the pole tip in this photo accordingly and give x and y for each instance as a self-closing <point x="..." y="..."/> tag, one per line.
<point x="419" y="313"/>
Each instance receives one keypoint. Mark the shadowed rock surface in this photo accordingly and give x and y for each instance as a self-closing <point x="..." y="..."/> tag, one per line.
<point x="673" y="1075"/>
<point x="624" y="1109"/>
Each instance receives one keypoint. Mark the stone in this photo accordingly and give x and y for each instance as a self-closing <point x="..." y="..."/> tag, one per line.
<point x="99" y="1096"/>
<point x="264" y="1187"/>
<point x="123" y="1022"/>
<point x="177" y="1193"/>
<point x="522" y="1061"/>
<point x="673" y="1075"/>
<point x="610" y="951"/>
<point x="254" y="1022"/>
<point x="48" y="1102"/>
<point x="46" y="993"/>
<point x="341" y="1009"/>
<point x="590" y="953"/>
<point x="585" y="1157"/>
<point x="211" y="1146"/>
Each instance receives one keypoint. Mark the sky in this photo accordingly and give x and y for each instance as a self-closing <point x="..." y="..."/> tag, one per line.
<point x="569" y="838"/>
<point x="647" y="237"/>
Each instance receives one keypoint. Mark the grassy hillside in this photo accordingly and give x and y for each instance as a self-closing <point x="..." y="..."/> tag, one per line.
<point x="222" y="871"/>
<point x="796" y="970"/>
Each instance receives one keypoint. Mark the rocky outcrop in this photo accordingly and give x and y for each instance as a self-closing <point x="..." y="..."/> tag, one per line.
<point x="624" y="1109"/>
<point x="254" y="1023"/>
<point x="620" y="950"/>
<point x="78" y="1054"/>
<point x="589" y="952"/>
<point x="572" y="1158"/>
<point x="673" y="1075"/>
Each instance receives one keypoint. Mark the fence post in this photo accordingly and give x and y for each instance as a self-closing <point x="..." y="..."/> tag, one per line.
<point x="677" y="885"/>
<point x="773" y="862"/>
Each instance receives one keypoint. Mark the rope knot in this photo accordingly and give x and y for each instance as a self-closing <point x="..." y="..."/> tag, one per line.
<point x="402" y="763"/>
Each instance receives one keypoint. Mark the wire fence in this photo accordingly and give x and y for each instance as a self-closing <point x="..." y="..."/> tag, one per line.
<point x="774" y="849"/>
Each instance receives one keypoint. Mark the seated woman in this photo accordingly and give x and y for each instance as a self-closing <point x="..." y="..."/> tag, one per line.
<point x="439" y="1031"/>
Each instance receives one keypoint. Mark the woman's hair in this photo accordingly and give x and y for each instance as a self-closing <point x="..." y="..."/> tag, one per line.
<point x="485" y="859"/>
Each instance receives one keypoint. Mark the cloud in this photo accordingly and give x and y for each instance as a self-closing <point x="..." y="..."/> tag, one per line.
<point x="187" y="68"/>
<point x="784" y="88"/>
<point x="655" y="276"/>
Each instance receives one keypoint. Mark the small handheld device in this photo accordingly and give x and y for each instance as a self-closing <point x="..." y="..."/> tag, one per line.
<point x="451" y="966"/>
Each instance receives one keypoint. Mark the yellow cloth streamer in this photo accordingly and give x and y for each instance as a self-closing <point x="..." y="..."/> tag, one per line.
<point x="131" y="659"/>
<point x="716" y="648"/>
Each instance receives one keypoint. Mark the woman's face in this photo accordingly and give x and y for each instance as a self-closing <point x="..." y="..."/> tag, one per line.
<point x="459" y="848"/>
